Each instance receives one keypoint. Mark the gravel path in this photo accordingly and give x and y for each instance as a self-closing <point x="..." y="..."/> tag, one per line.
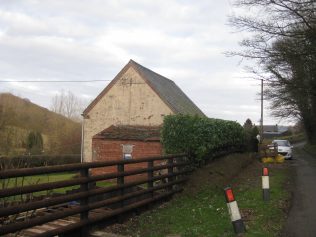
<point x="302" y="216"/>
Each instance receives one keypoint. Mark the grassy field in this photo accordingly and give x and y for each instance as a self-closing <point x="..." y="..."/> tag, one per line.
<point x="39" y="179"/>
<point x="202" y="211"/>
<point x="36" y="179"/>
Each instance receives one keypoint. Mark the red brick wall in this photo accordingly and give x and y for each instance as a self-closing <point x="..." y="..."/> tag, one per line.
<point x="104" y="150"/>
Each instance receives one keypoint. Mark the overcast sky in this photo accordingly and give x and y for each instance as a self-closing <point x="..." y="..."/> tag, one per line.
<point x="73" y="40"/>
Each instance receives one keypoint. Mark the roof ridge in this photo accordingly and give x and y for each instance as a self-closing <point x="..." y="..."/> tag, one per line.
<point x="167" y="90"/>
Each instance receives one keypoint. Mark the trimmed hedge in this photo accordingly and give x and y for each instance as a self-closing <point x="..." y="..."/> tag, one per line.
<point x="37" y="161"/>
<point x="200" y="136"/>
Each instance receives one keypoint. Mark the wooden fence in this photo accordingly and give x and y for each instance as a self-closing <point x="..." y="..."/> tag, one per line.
<point x="267" y="150"/>
<point x="146" y="190"/>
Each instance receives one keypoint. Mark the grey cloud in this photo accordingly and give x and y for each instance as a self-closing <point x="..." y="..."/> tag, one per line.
<point x="82" y="40"/>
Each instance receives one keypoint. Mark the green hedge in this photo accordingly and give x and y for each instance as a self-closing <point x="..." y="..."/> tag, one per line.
<point x="37" y="161"/>
<point x="200" y="136"/>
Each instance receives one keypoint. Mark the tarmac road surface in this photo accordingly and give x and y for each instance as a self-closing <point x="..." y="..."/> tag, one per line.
<point x="301" y="221"/>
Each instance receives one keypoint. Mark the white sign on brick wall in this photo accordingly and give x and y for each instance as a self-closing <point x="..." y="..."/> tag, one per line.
<point x="127" y="151"/>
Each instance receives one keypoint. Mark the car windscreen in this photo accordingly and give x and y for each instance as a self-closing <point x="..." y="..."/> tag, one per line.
<point x="282" y="143"/>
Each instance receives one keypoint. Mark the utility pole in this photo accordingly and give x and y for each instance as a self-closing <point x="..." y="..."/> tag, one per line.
<point x="261" y="120"/>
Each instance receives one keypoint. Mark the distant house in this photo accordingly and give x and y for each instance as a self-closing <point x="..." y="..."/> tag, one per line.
<point x="270" y="131"/>
<point x="127" y="110"/>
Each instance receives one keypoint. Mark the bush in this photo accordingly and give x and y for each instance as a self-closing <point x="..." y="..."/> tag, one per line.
<point x="37" y="161"/>
<point x="200" y="136"/>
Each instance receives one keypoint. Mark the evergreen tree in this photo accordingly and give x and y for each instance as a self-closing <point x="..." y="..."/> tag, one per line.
<point x="251" y="132"/>
<point x="34" y="143"/>
<point x="248" y="132"/>
<point x="248" y="125"/>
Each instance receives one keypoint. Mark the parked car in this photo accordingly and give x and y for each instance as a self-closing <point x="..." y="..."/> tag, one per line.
<point x="284" y="148"/>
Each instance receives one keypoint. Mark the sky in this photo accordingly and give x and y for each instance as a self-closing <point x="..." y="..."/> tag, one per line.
<point x="183" y="40"/>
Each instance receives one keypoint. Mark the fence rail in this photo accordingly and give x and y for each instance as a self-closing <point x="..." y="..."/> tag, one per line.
<point x="268" y="150"/>
<point x="125" y="199"/>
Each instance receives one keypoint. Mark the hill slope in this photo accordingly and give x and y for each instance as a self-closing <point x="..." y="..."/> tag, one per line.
<point x="20" y="116"/>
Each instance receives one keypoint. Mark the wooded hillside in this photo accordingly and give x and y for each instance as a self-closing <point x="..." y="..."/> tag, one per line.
<point x="19" y="117"/>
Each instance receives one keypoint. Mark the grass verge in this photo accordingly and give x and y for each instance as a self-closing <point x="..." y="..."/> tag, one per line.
<point x="311" y="149"/>
<point x="202" y="210"/>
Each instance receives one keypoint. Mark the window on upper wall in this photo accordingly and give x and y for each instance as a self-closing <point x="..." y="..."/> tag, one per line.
<point x="127" y="150"/>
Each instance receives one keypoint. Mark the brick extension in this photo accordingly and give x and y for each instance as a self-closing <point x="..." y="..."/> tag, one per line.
<point x="107" y="145"/>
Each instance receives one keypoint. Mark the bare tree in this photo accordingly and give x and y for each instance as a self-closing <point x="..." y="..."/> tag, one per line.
<point x="68" y="105"/>
<point x="57" y="104"/>
<point x="283" y="45"/>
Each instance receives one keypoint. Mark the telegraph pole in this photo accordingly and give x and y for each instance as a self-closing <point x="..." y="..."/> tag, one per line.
<point x="261" y="120"/>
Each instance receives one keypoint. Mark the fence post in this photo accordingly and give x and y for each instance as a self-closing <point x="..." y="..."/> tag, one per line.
<point x="275" y="146"/>
<point x="150" y="175"/>
<point x="120" y="181"/>
<point x="84" y="173"/>
<point x="170" y="172"/>
<point x="265" y="184"/>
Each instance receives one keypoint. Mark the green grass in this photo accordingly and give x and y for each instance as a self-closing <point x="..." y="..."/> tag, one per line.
<point x="105" y="184"/>
<point x="266" y="219"/>
<point x="189" y="216"/>
<point x="36" y="179"/>
<point x="39" y="179"/>
<point x="205" y="213"/>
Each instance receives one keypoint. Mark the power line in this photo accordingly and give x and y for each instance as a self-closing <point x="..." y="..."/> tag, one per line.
<point x="52" y="81"/>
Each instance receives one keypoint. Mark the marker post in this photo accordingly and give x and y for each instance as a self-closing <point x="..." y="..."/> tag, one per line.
<point x="233" y="210"/>
<point x="265" y="184"/>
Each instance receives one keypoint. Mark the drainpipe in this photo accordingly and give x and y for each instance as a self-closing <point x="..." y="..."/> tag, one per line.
<point x="82" y="138"/>
<point x="261" y="120"/>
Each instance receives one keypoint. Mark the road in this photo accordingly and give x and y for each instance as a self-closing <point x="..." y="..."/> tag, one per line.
<point x="302" y="216"/>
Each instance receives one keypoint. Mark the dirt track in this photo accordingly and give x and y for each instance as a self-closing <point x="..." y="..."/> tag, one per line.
<point x="302" y="216"/>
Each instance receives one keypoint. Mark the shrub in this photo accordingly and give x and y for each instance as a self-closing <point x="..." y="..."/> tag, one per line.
<point x="200" y="136"/>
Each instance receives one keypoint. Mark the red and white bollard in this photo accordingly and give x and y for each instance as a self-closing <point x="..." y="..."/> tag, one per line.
<point x="233" y="210"/>
<point x="265" y="184"/>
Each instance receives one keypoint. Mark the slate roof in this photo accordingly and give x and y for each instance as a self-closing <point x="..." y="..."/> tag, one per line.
<point x="129" y="132"/>
<point x="169" y="92"/>
<point x="165" y="88"/>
